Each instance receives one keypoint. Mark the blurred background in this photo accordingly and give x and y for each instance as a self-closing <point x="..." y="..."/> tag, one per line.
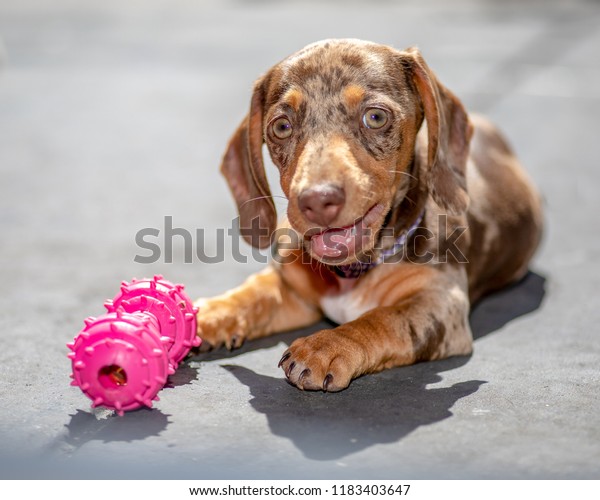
<point x="114" y="115"/>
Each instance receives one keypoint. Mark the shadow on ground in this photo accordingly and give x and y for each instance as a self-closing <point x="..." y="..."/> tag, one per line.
<point x="140" y="424"/>
<point x="377" y="409"/>
<point x="495" y="311"/>
<point x="84" y="426"/>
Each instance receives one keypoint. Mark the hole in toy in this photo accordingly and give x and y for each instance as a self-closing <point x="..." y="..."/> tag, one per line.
<point x="112" y="376"/>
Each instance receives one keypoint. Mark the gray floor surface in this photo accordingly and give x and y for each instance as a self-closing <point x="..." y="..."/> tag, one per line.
<point x="114" y="115"/>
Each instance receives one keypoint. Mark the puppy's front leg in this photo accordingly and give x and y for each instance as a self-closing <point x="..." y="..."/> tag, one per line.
<point x="426" y="326"/>
<point x="262" y="305"/>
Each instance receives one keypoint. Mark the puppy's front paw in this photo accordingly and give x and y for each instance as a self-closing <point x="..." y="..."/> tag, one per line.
<point x="324" y="361"/>
<point x="219" y="323"/>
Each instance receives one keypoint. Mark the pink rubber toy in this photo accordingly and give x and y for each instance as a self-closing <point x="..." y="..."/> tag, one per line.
<point x="123" y="358"/>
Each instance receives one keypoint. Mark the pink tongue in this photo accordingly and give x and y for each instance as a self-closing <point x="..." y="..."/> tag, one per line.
<point x="334" y="243"/>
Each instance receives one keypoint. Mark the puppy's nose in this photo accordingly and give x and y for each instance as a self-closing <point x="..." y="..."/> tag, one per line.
<point x="322" y="204"/>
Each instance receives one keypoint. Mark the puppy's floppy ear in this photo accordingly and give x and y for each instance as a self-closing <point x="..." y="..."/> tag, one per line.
<point x="448" y="132"/>
<point x="244" y="171"/>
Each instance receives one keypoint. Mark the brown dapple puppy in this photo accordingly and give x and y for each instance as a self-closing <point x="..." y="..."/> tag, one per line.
<point x="406" y="210"/>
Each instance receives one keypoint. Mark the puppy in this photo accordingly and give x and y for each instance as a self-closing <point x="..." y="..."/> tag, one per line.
<point x="402" y="211"/>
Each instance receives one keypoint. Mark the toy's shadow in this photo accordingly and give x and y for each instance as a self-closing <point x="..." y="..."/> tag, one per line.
<point x="135" y="425"/>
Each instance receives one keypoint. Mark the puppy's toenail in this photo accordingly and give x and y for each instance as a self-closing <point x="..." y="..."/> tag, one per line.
<point x="305" y="373"/>
<point x="284" y="358"/>
<point x="327" y="381"/>
<point x="205" y="347"/>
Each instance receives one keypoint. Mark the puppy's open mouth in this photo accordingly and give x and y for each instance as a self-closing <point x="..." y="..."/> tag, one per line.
<point x="338" y="244"/>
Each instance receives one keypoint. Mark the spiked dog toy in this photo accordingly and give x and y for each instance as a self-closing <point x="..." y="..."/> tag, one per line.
<point x="123" y="358"/>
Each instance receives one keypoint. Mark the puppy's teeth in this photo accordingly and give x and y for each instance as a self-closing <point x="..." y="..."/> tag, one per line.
<point x="353" y="231"/>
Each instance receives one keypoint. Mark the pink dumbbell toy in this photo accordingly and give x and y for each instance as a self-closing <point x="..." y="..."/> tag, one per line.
<point x="123" y="358"/>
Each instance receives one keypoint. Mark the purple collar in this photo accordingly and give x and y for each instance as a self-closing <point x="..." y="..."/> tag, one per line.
<point x="357" y="269"/>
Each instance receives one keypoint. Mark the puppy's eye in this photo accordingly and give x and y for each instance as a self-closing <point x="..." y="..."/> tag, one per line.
<point x="375" y="118"/>
<point x="282" y="128"/>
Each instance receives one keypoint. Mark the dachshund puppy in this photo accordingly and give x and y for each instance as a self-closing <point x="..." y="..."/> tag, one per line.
<point x="402" y="211"/>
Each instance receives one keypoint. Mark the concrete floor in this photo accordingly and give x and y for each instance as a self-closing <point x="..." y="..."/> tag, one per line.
<point x="114" y="115"/>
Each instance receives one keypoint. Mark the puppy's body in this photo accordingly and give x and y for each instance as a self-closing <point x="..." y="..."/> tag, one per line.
<point x="374" y="154"/>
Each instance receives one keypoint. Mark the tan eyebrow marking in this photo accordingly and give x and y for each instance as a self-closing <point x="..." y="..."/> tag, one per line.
<point x="353" y="95"/>
<point x="294" y="98"/>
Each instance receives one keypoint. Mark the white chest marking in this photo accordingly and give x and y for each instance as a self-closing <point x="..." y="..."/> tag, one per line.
<point x="344" y="307"/>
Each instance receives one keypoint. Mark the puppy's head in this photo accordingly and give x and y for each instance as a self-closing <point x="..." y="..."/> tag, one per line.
<point x="340" y="119"/>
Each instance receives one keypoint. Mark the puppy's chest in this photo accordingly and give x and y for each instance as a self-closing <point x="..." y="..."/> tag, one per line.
<point x="346" y="306"/>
